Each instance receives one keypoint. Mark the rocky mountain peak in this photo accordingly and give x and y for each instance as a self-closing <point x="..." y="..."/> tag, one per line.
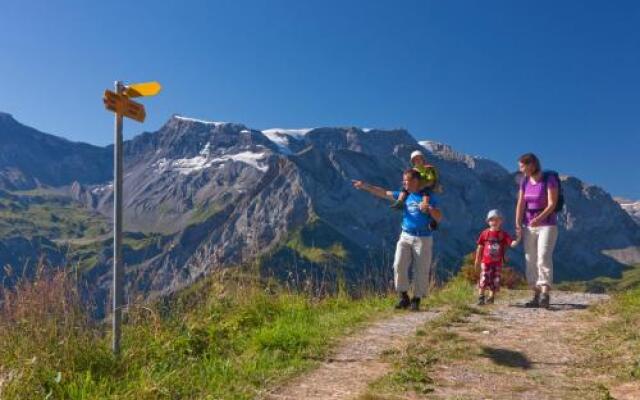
<point x="632" y="207"/>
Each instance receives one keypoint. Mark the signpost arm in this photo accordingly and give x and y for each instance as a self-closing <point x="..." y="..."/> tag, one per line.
<point x="118" y="273"/>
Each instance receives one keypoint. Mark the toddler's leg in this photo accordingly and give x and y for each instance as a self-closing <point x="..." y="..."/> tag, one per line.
<point x="399" y="204"/>
<point x="497" y="279"/>
<point x="483" y="284"/>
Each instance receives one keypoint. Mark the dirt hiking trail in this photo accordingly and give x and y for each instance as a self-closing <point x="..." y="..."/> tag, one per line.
<point x="356" y="361"/>
<point x="518" y="353"/>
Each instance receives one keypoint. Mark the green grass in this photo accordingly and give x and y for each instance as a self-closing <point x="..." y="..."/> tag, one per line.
<point x="630" y="279"/>
<point x="141" y="241"/>
<point x="221" y="339"/>
<point x="202" y="213"/>
<point x="456" y="293"/>
<point x="49" y="215"/>
<point x="615" y="343"/>
<point x="317" y="254"/>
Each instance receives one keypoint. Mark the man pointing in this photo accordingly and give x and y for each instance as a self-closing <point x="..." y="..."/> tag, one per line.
<point x="415" y="243"/>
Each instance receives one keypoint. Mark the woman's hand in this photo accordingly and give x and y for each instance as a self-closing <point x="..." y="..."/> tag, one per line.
<point x="534" y="222"/>
<point x="358" y="184"/>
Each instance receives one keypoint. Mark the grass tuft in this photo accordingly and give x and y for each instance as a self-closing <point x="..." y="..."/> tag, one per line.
<point x="226" y="337"/>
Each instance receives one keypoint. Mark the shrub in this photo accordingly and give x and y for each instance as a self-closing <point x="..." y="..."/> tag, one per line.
<point x="511" y="278"/>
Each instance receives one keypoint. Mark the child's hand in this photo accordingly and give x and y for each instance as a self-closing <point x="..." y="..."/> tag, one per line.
<point x="518" y="232"/>
<point x="514" y="243"/>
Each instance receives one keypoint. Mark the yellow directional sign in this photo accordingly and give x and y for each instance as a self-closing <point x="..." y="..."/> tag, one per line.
<point x="120" y="104"/>
<point x="142" y="89"/>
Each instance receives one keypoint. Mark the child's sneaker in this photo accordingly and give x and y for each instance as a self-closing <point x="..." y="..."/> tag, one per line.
<point x="481" y="300"/>
<point x="397" y="205"/>
<point x="415" y="304"/>
<point x="490" y="300"/>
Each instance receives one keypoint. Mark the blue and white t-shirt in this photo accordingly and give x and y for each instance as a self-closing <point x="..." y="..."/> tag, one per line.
<point x="413" y="220"/>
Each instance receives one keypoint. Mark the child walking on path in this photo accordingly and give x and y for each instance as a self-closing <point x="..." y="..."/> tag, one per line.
<point x="490" y="253"/>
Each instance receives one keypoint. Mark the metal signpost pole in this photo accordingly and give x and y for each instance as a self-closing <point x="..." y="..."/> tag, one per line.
<point x="120" y="103"/>
<point x="118" y="290"/>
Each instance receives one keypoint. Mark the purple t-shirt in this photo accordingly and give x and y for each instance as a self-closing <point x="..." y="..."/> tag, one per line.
<point x="536" y="199"/>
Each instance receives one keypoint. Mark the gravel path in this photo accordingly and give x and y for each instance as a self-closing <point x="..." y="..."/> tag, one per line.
<point x="356" y="362"/>
<point x="519" y="353"/>
<point x="523" y="353"/>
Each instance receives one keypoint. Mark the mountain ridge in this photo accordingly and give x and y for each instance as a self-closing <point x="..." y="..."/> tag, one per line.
<point x="230" y="194"/>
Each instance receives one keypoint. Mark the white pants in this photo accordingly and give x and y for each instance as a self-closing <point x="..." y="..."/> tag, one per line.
<point x="539" y="243"/>
<point x="417" y="249"/>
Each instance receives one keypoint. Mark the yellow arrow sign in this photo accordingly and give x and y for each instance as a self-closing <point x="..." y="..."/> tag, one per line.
<point x="142" y="89"/>
<point x="123" y="105"/>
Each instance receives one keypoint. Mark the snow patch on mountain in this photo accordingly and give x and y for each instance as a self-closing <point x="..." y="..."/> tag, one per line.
<point x="256" y="160"/>
<point x="297" y="134"/>
<point x="631" y="207"/>
<point x="98" y="190"/>
<point x="199" y="121"/>
<point x="281" y="137"/>
<point x="187" y="166"/>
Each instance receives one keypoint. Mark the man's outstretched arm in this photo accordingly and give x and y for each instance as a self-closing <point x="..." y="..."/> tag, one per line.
<point x="374" y="190"/>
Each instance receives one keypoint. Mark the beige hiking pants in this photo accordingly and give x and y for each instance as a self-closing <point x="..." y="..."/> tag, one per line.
<point x="539" y="243"/>
<point x="418" y="250"/>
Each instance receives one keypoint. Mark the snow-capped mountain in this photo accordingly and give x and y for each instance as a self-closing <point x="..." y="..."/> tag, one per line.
<point x="228" y="194"/>
<point x="237" y="193"/>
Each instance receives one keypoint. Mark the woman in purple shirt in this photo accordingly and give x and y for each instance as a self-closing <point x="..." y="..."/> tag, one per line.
<point x="537" y="223"/>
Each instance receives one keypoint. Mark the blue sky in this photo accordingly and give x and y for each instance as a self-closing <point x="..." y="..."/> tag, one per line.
<point x="491" y="78"/>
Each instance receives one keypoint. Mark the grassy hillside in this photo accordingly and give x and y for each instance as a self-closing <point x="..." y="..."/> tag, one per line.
<point x="225" y="337"/>
<point x="616" y="342"/>
<point x="48" y="214"/>
<point x="630" y="279"/>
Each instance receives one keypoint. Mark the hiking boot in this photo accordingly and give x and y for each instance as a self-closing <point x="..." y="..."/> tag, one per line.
<point x="397" y="205"/>
<point x="481" y="300"/>
<point x="404" y="302"/>
<point x="490" y="300"/>
<point x="534" y="303"/>
<point x="545" y="301"/>
<point x="415" y="304"/>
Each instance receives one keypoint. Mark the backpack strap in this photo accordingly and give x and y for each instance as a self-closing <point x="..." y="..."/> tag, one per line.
<point x="545" y="178"/>
<point x="523" y="182"/>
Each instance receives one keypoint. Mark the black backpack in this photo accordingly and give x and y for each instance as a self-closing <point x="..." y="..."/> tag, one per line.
<point x="545" y="178"/>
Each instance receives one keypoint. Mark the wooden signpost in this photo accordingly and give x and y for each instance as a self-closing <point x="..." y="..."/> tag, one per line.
<point x="121" y="105"/>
